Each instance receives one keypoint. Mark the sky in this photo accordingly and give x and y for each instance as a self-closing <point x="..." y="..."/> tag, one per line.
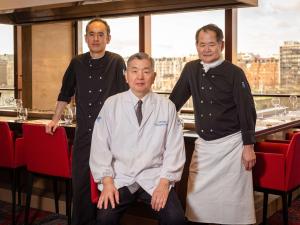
<point x="261" y="30"/>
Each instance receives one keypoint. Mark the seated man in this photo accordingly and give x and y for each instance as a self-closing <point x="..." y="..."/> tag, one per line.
<point x="137" y="149"/>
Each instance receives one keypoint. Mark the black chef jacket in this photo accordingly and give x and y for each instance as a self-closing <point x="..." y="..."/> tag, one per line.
<point x="92" y="81"/>
<point x="223" y="103"/>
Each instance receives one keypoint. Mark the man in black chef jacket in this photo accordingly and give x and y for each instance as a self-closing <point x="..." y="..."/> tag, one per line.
<point x="92" y="77"/>
<point x="220" y="179"/>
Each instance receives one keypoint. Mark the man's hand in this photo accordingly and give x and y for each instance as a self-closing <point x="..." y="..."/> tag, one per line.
<point x="109" y="193"/>
<point x="51" y="127"/>
<point x="248" y="157"/>
<point x="160" y="195"/>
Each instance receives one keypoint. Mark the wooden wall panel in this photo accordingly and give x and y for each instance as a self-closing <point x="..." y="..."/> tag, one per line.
<point x="51" y="54"/>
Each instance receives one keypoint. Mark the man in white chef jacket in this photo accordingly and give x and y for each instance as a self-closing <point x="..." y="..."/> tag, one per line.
<point x="137" y="149"/>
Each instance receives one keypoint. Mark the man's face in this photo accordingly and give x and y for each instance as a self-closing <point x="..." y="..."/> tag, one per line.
<point x="97" y="37"/>
<point x="208" y="48"/>
<point x="140" y="76"/>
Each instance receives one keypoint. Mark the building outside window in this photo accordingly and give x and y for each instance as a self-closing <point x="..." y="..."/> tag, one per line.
<point x="269" y="49"/>
<point x="6" y="66"/>
<point x="173" y="44"/>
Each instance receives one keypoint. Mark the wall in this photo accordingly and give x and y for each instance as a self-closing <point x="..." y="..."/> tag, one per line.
<point x="51" y="55"/>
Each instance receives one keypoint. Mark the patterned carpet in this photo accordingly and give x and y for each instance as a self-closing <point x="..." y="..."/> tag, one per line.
<point x="294" y="215"/>
<point x="37" y="217"/>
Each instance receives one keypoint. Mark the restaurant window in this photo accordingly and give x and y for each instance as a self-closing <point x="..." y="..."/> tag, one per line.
<point x="124" y="35"/>
<point x="269" y="50"/>
<point x="173" y="44"/>
<point x="6" y="65"/>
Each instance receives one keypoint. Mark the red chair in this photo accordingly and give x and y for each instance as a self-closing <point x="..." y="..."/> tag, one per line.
<point x="94" y="190"/>
<point x="47" y="155"/>
<point x="11" y="157"/>
<point x="277" y="171"/>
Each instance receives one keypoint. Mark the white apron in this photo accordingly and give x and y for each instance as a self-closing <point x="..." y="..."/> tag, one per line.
<point x="220" y="190"/>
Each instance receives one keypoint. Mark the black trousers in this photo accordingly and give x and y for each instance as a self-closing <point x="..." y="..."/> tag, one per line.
<point x="172" y="214"/>
<point x="84" y="212"/>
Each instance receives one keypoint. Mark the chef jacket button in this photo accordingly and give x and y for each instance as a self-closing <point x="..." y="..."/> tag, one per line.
<point x="211" y="102"/>
<point x="100" y="103"/>
<point x="203" y="74"/>
<point x="90" y="91"/>
<point x="91" y="65"/>
<point x="202" y="131"/>
<point x="89" y="116"/>
<point x="100" y="90"/>
<point x="90" y="77"/>
<point x="211" y="130"/>
<point x="201" y="101"/>
<point x="100" y="78"/>
<point x="202" y="88"/>
<point x="210" y="88"/>
<point x="90" y="104"/>
<point x="209" y="114"/>
<point x="90" y="129"/>
<point x="201" y="115"/>
<point x="212" y="76"/>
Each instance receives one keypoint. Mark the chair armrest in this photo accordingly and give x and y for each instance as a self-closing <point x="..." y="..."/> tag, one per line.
<point x="269" y="171"/>
<point x="279" y="141"/>
<point x="272" y="147"/>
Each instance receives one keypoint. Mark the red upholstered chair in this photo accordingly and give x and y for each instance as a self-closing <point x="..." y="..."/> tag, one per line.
<point x="11" y="157"/>
<point x="94" y="190"/>
<point x="47" y="155"/>
<point x="277" y="171"/>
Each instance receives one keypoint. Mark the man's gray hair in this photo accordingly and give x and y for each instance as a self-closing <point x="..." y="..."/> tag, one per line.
<point x="141" y="55"/>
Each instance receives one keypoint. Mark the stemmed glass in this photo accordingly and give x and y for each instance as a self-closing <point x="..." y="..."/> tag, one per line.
<point x="275" y="102"/>
<point x="293" y="100"/>
<point x="68" y="115"/>
<point x="23" y="114"/>
<point x="181" y="119"/>
<point x="19" y="106"/>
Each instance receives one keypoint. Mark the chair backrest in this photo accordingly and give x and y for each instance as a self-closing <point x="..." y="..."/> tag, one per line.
<point x="46" y="154"/>
<point x="293" y="163"/>
<point x="6" y="146"/>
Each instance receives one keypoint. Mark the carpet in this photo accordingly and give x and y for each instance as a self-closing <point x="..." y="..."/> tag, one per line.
<point x="294" y="215"/>
<point x="36" y="217"/>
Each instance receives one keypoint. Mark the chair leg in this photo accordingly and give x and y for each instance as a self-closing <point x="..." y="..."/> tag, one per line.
<point x="290" y="197"/>
<point x="284" y="208"/>
<point x="68" y="200"/>
<point x="18" y="182"/>
<point x="28" y="197"/>
<point x="56" y="196"/>
<point x="13" y="195"/>
<point x="265" y="208"/>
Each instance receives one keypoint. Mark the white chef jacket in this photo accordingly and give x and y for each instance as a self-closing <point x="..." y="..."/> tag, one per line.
<point x="131" y="153"/>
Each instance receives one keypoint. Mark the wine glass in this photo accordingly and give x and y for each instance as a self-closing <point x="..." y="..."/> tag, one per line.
<point x="275" y="101"/>
<point x="23" y="114"/>
<point x="19" y="105"/>
<point x="181" y="121"/>
<point x="293" y="100"/>
<point x="68" y="115"/>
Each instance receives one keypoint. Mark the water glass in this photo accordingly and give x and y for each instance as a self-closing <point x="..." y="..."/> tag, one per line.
<point x="23" y="114"/>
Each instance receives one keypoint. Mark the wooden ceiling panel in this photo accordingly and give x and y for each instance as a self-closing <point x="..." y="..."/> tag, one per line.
<point x="117" y="8"/>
